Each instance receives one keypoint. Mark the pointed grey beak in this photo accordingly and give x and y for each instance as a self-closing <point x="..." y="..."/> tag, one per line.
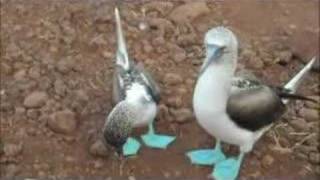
<point x="213" y="54"/>
<point x="122" y="54"/>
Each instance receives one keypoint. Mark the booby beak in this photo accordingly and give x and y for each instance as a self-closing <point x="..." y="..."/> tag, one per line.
<point x="214" y="52"/>
<point x="122" y="54"/>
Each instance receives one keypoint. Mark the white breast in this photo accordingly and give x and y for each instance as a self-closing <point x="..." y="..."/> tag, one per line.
<point x="144" y="105"/>
<point x="209" y="103"/>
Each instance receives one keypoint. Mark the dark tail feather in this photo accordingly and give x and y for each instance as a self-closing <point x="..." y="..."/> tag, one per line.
<point x="285" y="95"/>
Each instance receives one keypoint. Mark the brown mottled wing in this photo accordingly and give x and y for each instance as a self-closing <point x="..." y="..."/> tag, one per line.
<point x="118" y="87"/>
<point x="254" y="106"/>
<point x="149" y="82"/>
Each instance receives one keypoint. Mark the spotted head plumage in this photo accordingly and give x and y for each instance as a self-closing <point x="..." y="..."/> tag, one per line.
<point x="119" y="124"/>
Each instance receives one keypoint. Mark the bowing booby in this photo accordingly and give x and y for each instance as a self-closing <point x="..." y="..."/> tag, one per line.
<point x="136" y="96"/>
<point x="235" y="110"/>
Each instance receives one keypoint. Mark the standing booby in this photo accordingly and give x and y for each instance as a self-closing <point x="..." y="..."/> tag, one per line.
<point x="136" y="96"/>
<point x="233" y="109"/>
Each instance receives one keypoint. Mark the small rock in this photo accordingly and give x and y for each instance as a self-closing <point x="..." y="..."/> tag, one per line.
<point x="13" y="149"/>
<point x="179" y="57"/>
<point x="65" y="65"/>
<point x="41" y="174"/>
<point x="189" y="11"/>
<point x="306" y="149"/>
<point x="81" y="95"/>
<point x="161" y="6"/>
<point x="172" y="79"/>
<point x="63" y="122"/>
<point x="20" y="75"/>
<point x="163" y="112"/>
<point x="285" y="57"/>
<point x="99" y="149"/>
<point x="187" y="40"/>
<point x="107" y="54"/>
<point x="256" y="63"/>
<point x="175" y="102"/>
<point x="299" y="124"/>
<point x="69" y="139"/>
<point x="314" y="157"/>
<point x="70" y="159"/>
<point x="301" y="156"/>
<point x="34" y="72"/>
<point x="31" y="131"/>
<point x="98" y="164"/>
<point x="35" y="99"/>
<point x="5" y="68"/>
<point x="267" y="161"/>
<point x="313" y="105"/>
<point x="147" y="48"/>
<point x="309" y="114"/>
<point x="20" y="111"/>
<point x="60" y="87"/>
<point x="167" y="175"/>
<point x="12" y="170"/>
<point x="131" y="178"/>
<point x="33" y="114"/>
<point x="293" y="26"/>
<point x="182" y="115"/>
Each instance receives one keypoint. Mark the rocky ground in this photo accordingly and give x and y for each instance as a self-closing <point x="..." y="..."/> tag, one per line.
<point x="56" y="68"/>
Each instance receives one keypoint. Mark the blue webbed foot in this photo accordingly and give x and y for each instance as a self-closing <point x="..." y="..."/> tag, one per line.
<point x="206" y="156"/>
<point x="227" y="169"/>
<point x="156" y="140"/>
<point x="131" y="147"/>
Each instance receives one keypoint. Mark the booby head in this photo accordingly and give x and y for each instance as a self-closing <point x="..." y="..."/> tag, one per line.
<point x="119" y="125"/>
<point x="221" y="47"/>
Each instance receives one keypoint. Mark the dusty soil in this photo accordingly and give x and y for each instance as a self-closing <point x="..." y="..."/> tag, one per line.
<point x="56" y="66"/>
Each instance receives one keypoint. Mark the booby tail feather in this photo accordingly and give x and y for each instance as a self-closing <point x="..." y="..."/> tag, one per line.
<point x="294" y="83"/>
<point x="285" y="94"/>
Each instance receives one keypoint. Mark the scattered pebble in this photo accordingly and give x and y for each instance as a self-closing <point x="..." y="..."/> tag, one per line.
<point x="267" y="161"/>
<point x="175" y="102"/>
<point x="20" y="111"/>
<point x="299" y="124"/>
<point x="182" y="115"/>
<point x="60" y="87"/>
<point x="314" y="157"/>
<point x="285" y="57"/>
<point x="99" y="149"/>
<point x="63" y="122"/>
<point x="98" y="164"/>
<point x="13" y="149"/>
<point x="172" y="79"/>
<point x="131" y="178"/>
<point x="12" y="170"/>
<point x="163" y="112"/>
<point x="35" y="99"/>
<point x="189" y="11"/>
<point x="309" y="114"/>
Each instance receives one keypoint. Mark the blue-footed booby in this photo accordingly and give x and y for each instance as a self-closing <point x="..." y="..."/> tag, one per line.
<point x="136" y="96"/>
<point x="234" y="110"/>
